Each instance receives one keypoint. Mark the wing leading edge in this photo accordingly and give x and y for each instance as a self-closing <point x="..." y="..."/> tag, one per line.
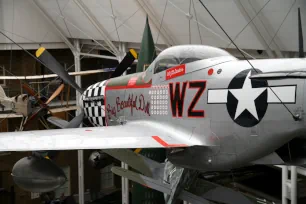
<point x="142" y="134"/>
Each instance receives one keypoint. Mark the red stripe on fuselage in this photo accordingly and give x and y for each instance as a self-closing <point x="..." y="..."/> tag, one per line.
<point x="165" y="144"/>
<point x="142" y="86"/>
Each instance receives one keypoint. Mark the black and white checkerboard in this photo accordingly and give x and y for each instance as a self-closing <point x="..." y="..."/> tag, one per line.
<point x="93" y="103"/>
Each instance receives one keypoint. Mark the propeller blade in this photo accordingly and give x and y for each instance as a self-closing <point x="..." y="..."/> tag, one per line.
<point x="127" y="61"/>
<point x="76" y="121"/>
<point x="32" y="117"/>
<point x="32" y="93"/>
<point x="58" y="122"/>
<point x="56" y="93"/>
<point x="52" y="64"/>
<point x="301" y="40"/>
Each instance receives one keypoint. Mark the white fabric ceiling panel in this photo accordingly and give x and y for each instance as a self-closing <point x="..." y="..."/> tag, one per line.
<point x="29" y="25"/>
<point x="22" y="18"/>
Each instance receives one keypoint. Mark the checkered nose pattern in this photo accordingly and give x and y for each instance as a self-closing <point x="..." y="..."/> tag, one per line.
<point x="93" y="103"/>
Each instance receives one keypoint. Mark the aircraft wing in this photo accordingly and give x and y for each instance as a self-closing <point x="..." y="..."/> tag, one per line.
<point x="142" y="134"/>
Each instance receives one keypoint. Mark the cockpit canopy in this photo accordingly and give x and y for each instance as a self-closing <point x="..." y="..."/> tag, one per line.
<point x="183" y="54"/>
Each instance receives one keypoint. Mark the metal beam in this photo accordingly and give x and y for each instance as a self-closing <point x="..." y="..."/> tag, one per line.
<point x="81" y="176"/>
<point x="284" y="184"/>
<point x="168" y="38"/>
<point x="125" y="186"/>
<point x="77" y="63"/>
<point x="248" y="13"/>
<point x="293" y="179"/>
<point x="49" y="19"/>
<point x="124" y="181"/>
<point x="99" y="56"/>
<point x="299" y="170"/>
<point x="129" y="45"/>
<point x="97" y="25"/>
<point x="33" y="46"/>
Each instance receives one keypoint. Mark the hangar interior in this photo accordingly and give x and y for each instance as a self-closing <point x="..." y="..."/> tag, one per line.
<point x="92" y="35"/>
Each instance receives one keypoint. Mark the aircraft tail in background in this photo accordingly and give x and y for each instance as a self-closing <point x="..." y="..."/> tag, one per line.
<point x="2" y="94"/>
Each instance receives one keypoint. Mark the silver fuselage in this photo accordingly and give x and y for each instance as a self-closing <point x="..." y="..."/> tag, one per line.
<point x="239" y="120"/>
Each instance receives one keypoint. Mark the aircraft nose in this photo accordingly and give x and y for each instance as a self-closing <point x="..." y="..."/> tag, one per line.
<point x="62" y="179"/>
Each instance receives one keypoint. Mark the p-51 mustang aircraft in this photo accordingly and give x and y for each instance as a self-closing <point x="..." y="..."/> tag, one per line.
<point x="200" y="101"/>
<point x="213" y="111"/>
<point x="29" y="106"/>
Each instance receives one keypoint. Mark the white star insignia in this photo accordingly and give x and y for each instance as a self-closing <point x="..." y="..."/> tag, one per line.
<point x="246" y="97"/>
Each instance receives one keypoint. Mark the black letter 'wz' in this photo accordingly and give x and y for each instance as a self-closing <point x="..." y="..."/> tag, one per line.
<point x="177" y="98"/>
<point x="200" y="85"/>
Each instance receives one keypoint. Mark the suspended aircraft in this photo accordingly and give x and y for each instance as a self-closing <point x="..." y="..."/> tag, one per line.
<point x="20" y="103"/>
<point x="29" y="106"/>
<point x="212" y="111"/>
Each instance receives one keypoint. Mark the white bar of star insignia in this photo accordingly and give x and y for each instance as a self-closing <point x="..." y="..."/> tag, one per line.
<point x="287" y="94"/>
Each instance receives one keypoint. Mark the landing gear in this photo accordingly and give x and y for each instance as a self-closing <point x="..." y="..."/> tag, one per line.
<point x="179" y="179"/>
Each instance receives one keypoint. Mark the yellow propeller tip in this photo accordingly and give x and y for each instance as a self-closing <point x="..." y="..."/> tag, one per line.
<point x="134" y="53"/>
<point x="40" y="51"/>
<point x="138" y="150"/>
